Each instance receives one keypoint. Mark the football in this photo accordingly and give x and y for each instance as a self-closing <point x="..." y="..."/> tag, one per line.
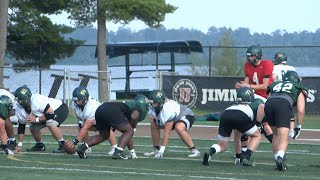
<point x="69" y="147"/>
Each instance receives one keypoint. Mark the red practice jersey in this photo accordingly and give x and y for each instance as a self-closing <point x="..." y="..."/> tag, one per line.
<point x="256" y="74"/>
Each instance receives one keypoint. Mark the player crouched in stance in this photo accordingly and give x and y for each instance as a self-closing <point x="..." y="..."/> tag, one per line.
<point x="239" y="117"/>
<point x="167" y="114"/>
<point x="278" y="110"/>
<point x="121" y="116"/>
<point x="85" y="107"/>
<point x="40" y="111"/>
<point x="5" y="108"/>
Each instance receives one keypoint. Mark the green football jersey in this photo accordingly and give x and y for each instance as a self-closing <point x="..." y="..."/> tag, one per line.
<point x="3" y="111"/>
<point x="254" y="106"/>
<point x="140" y="107"/>
<point x="291" y="88"/>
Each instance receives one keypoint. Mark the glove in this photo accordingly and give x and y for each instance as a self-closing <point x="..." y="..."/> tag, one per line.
<point x="291" y="133"/>
<point x="297" y="131"/>
<point x="160" y="152"/>
<point x="133" y="154"/>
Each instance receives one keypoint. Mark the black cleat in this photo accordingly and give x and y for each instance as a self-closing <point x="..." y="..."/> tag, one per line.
<point x="280" y="165"/>
<point x="60" y="149"/>
<point x="37" y="147"/>
<point x="119" y="155"/>
<point x="205" y="160"/>
<point x="81" y="151"/>
<point x="12" y="145"/>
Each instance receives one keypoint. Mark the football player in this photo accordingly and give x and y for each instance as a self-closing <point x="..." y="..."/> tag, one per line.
<point x="239" y="117"/>
<point x="258" y="75"/>
<point x="121" y="116"/>
<point x="278" y="110"/>
<point x="12" y="119"/>
<point x="167" y="114"/>
<point x="5" y="108"/>
<point x="280" y="68"/>
<point x="40" y="111"/>
<point x="85" y="107"/>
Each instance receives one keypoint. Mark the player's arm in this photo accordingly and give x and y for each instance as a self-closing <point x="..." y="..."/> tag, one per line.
<point x="264" y="85"/>
<point x="88" y="123"/>
<point x="134" y="118"/>
<point x="301" y="108"/>
<point x="48" y="114"/>
<point x="21" y="131"/>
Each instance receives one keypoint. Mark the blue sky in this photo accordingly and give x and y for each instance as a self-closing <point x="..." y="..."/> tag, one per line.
<point x="261" y="16"/>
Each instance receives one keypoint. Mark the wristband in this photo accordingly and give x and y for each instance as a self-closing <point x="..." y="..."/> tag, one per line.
<point x="75" y="141"/>
<point x="37" y="120"/>
<point x="19" y="144"/>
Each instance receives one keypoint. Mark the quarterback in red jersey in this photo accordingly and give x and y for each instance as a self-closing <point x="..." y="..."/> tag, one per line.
<point x="258" y="72"/>
<point x="258" y="77"/>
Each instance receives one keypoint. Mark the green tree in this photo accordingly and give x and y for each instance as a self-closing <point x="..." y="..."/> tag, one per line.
<point x="3" y="34"/>
<point x="85" y="12"/>
<point x="225" y="57"/>
<point x="32" y="38"/>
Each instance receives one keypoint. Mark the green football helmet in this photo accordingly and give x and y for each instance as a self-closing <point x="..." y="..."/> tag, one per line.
<point x="256" y="51"/>
<point x="291" y="76"/>
<point x="245" y="95"/>
<point x="80" y="93"/>
<point x="6" y="101"/>
<point x="159" y="97"/>
<point x="144" y="100"/>
<point x="23" y="95"/>
<point x="280" y="58"/>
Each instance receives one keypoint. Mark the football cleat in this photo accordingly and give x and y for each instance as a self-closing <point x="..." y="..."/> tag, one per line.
<point x="12" y="145"/>
<point x="152" y="153"/>
<point x="280" y="165"/>
<point x="111" y="151"/>
<point x="81" y="151"/>
<point x="205" y="160"/>
<point x="119" y="155"/>
<point x="194" y="153"/>
<point x="60" y="149"/>
<point x="37" y="147"/>
<point x="8" y="151"/>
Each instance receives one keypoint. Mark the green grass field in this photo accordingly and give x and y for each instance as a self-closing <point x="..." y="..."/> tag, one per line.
<point x="303" y="163"/>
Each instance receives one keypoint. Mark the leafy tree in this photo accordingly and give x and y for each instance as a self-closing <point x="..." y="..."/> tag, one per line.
<point x="32" y="38"/>
<point x="225" y="59"/>
<point x="3" y="33"/>
<point x="85" y="12"/>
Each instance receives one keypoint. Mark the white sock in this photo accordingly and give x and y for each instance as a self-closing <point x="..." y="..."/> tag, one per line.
<point x="281" y="153"/>
<point x="114" y="146"/>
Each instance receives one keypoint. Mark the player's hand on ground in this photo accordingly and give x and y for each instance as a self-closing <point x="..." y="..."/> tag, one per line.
<point x="18" y="149"/>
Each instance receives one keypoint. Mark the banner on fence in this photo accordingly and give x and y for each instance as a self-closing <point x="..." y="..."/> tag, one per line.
<point x="216" y="93"/>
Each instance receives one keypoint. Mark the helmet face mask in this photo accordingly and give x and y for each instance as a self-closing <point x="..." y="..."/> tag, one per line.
<point x="157" y="99"/>
<point x="23" y="95"/>
<point x="7" y="102"/>
<point x="254" y="53"/>
<point x="245" y="95"/>
<point x="280" y="58"/>
<point x="80" y="96"/>
<point x="291" y="76"/>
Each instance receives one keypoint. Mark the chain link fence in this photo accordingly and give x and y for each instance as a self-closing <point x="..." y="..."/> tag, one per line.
<point x="61" y="76"/>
